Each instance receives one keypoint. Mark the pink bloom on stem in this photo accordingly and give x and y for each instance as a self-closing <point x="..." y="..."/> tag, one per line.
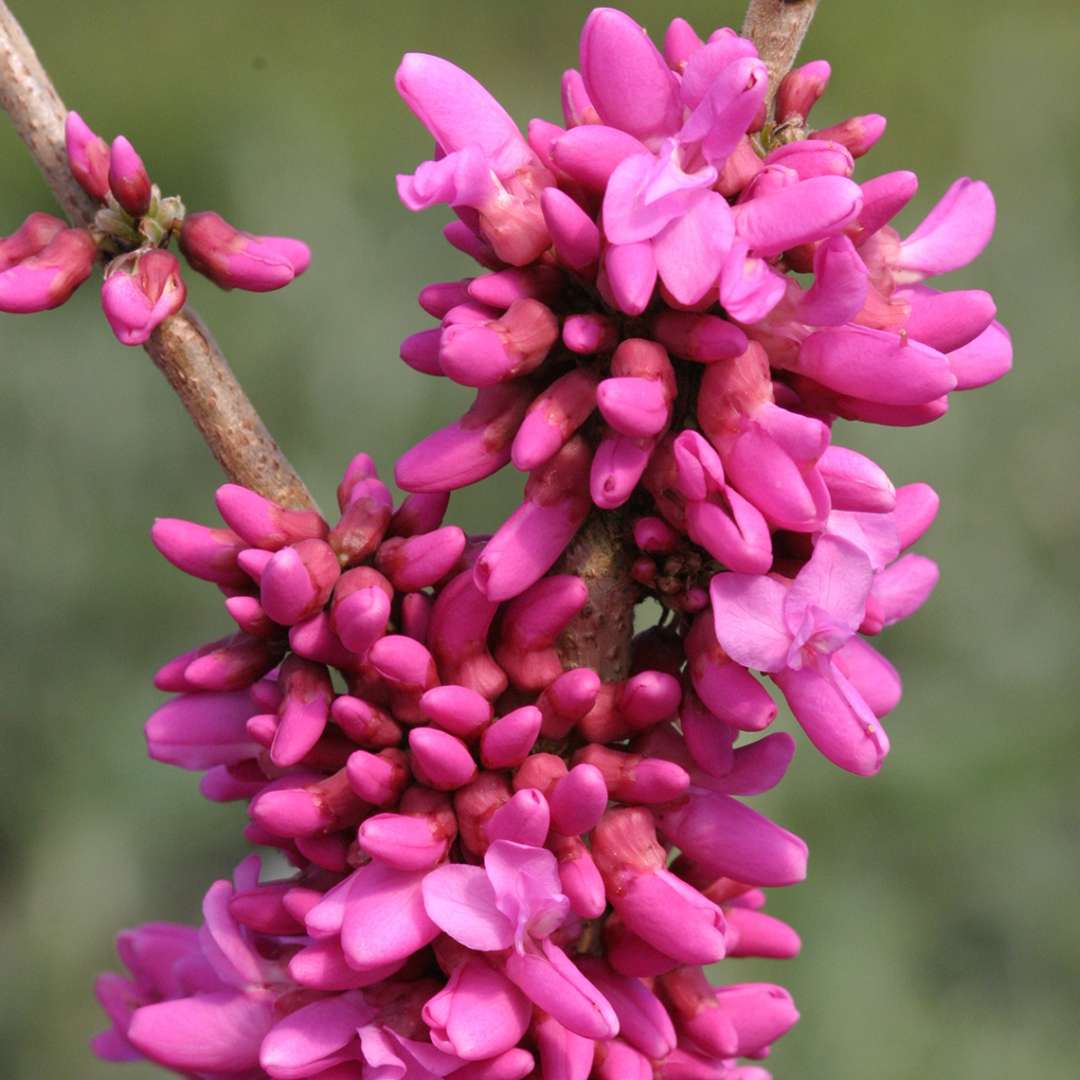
<point x="239" y="260"/>
<point x="88" y="156"/>
<point x="136" y="303"/>
<point x="46" y="277"/>
<point x="791" y="630"/>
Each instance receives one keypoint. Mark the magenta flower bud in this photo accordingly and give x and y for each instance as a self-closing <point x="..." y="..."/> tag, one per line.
<point x="553" y="417"/>
<point x="439" y="297"/>
<point x="718" y="518"/>
<point x="261" y="908"/>
<point x="855" y="482"/>
<point x="680" y="43"/>
<point x="421" y="351"/>
<point x="883" y="198"/>
<point x="479" y="1015"/>
<point x="589" y="333"/>
<point x="229" y="664"/>
<point x="813" y="157"/>
<point x="563" y="1052"/>
<point x="984" y="360"/>
<point x="629" y="955"/>
<point x="31" y="237"/>
<point x="740" y="169"/>
<point x="902" y="588"/>
<point x="511" y="346"/>
<point x="365" y="724"/>
<point x="759" y="1012"/>
<point x="249" y="616"/>
<point x="617" y="466"/>
<point x="634" y="778"/>
<point x="500" y="289"/>
<point x="298" y="581"/>
<point x="474" y="804"/>
<point x="753" y="933"/>
<point x="875" y="365"/>
<point x="314" y="639"/>
<point x="263" y="523"/>
<point x="857" y="133"/>
<point x="705" y="338"/>
<point x="732" y="840"/>
<point x="590" y="154"/>
<point x="203" y="552"/>
<point x="474" y="447"/>
<point x="422" y="560"/>
<point x="708" y="738"/>
<point x="409" y="669"/>
<point x="304" y="711"/>
<point x="253" y="562"/>
<point x="524" y="819"/>
<point x="532" y="623"/>
<point x="800" y="89"/>
<point x="361" y="608"/>
<point x="643" y="1021"/>
<point x="810" y="210"/>
<point x="199" y="731"/>
<point x="663" y="910"/>
<point x="300" y="806"/>
<point x="875" y="680"/>
<point x="527" y="545"/>
<point x="630" y="271"/>
<point x="460" y="236"/>
<point x="128" y="178"/>
<point x="626" y="78"/>
<point x="88" y="156"/>
<point x="578" y="800"/>
<point x="379" y="778"/>
<point x="440" y="760"/>
<point x="47" y="278"/>
<point x="573" y="232"/>
<point x="136" y="303"/>
<point x="578" y="876"/>
<point x="916" y="507"/>
<point x="457" y="635"/>
<point x="635" y="407"/>
<point x="698" y="1013"/>
<point x="239" y="260"/>
<point x="363" y="524"/>
<point x="403" y="841"/>
<point x="457" y="709"/>
<point x="947" y="321"/>
<point x="647" y="698"/>
<point x="322" y="966"/>
<point x="567" y="700"/>
<point x="419" y="514"/>
<point x="507" y="742"/>
<point x="615" y="1060"/>
<point x="577" y="106"/>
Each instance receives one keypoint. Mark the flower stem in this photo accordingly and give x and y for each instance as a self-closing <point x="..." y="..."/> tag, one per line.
<point x="777" y="28"/>
<point x="182" y="347"/>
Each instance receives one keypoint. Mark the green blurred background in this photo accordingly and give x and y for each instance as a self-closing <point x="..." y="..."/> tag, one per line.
<point x="940" y="918"/>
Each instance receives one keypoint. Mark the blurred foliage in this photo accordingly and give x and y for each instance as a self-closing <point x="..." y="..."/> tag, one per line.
<point x="939" y="918"/>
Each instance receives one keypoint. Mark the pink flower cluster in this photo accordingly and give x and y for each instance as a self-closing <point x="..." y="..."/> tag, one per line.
<point x="481" y="839"/>
<point x="43" y="262"/>
<point x="639" y="342"/>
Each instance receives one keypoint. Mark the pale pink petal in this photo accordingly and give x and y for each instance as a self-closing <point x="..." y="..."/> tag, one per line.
<point x="460" y="900"/>
<point x="748" y="614"/>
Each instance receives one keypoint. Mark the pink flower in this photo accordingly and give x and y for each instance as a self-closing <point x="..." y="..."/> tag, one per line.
<point x="791" y="629"/>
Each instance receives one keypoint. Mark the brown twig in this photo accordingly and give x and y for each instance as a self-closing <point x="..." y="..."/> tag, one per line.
<point x="777" y="28"/>
<point x="181" y="347"/>
<point x="600" y="636"/>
